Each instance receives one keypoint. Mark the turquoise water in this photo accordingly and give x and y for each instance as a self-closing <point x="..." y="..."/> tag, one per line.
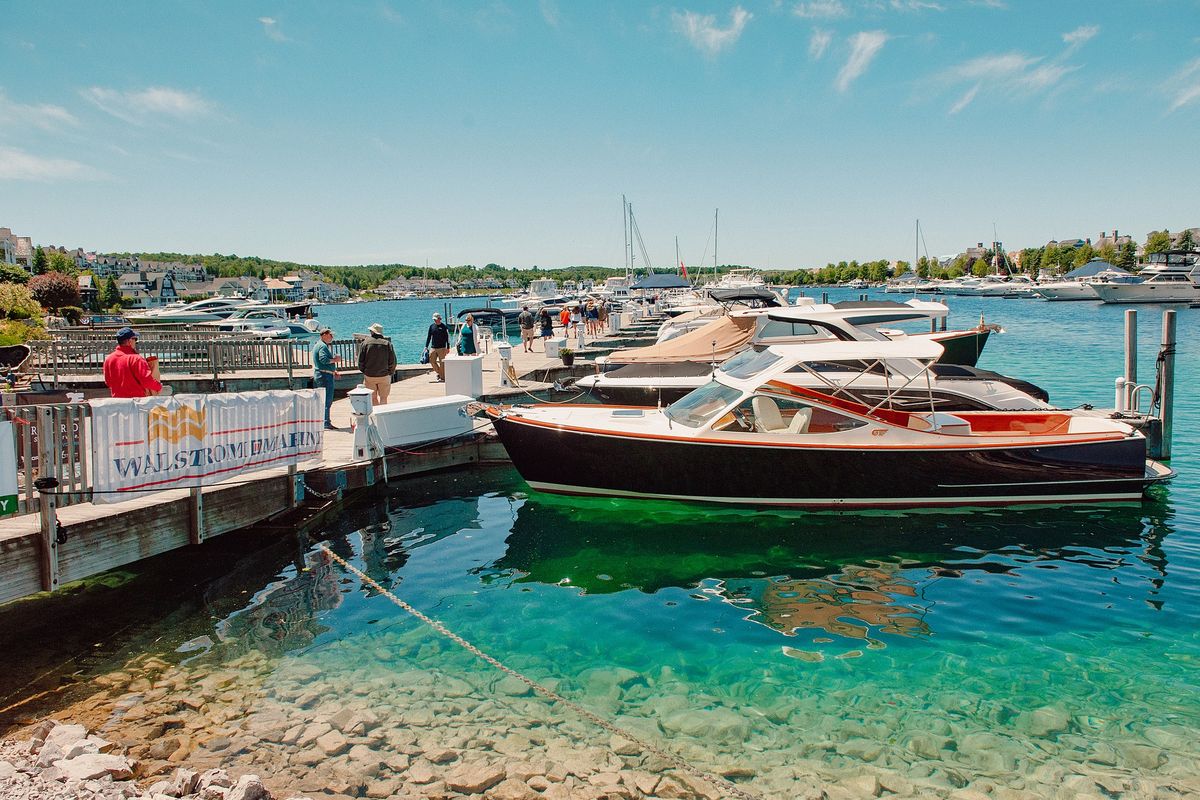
<point x="1038" y="650"/>
<point x="405" y="321"/>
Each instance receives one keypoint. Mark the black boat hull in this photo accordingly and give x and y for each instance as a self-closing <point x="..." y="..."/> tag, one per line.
<point x="573" y="461"/>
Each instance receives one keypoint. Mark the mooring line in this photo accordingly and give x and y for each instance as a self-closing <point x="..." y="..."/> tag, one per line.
<point x="715" y="781"/>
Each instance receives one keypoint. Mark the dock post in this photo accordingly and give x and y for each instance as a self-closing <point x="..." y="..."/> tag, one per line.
<point x="1130" y="355"/>
<point x="288" y="345"/>
<point x="196" y="516"/>
<point x="293" y="495"/>
<point x="1120" y="396"/>
<point x="1166" y="398"/>
<point x="824" y="298"/>
<point x="48" y="468"/>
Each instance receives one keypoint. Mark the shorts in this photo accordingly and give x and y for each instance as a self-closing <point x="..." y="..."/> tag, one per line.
<point x="527" y="334"/>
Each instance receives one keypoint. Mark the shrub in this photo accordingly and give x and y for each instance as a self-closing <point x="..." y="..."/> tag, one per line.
<point x="55" y="290"/>
<point x="17" y="302"/>
<point x="72" y="314"/>
<point x="13" y="274"/>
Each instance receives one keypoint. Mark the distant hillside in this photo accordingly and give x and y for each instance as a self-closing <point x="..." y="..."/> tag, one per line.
<point x="366" y="276"/>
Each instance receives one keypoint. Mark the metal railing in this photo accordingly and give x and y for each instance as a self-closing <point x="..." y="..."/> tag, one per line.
<point x="52" y="441"/>
<point x="53" y="359"/>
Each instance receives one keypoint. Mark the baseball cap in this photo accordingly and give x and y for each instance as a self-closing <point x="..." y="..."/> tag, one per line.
<point x="126" y="333"/>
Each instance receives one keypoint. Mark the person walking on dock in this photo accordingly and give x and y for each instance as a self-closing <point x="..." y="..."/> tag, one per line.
<point x="377" y="362"/>
<point x="437" y="342"/>
<point x="547" y="322"/>
<point x="525" y="320"/>
<point x="325" y="372"/>
<point x="126" y="371"/>
<point x="466" y="337"/>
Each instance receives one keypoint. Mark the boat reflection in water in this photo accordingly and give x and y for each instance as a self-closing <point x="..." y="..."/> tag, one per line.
<point x="861" y="577"/>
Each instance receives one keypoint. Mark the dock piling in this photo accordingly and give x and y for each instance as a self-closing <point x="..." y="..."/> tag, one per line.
<point x="1166" y="381"/>
<point x="1130" y="354"/>
<point x="196" y="516"/>
<point x="47" y="485"/>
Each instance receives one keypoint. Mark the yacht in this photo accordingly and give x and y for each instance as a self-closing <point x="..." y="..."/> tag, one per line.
<point x="214" y="308"/>
<point x="664" y="373"/>
<point x="1169" y="278"/>
<point x="267" y="322"/>
<point x="759" y="435"/>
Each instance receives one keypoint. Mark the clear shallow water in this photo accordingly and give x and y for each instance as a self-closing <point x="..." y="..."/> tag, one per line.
<point x="997" y="648"/>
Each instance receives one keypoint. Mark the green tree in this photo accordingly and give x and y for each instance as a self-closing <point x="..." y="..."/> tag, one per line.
<point x="110" y="294"/>
<point x="1185" y="240"/>
<point x="41" y="264"/>
<point x="1158" y="241"/>
<point x="1083" y="255"/>
<point x="923" y="267"/>
<point x="1108" y="253"/>
<point x="981" y="266"/>
<point x="60" y="262"/>
<point x="1127" y="256"/>
<point x="10" y="273"/>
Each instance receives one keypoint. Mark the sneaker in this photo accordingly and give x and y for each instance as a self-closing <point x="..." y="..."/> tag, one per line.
<point x="331" y="427"/>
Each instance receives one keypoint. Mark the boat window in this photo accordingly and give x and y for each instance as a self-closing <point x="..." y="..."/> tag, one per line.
<point x="748" y="363"/>
<point x="764" y="413"/>
<point x="870" y="367"/>
<point x="700" y="405"/>
<point x="776" y="328"/>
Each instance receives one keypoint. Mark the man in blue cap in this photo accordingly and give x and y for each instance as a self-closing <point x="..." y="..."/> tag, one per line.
<point x="126" y="372"/>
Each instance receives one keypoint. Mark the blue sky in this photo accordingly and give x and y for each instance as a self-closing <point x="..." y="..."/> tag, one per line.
<point x="502" y="131"/>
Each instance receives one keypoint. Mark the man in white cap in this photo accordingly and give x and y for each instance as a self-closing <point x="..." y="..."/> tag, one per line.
<point x="437" y="342"/>
<point x="377" y="362"/>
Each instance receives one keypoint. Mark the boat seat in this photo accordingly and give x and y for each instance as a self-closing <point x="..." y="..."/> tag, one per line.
<point x="766" y="415"/>
<point x="801" y="421"/>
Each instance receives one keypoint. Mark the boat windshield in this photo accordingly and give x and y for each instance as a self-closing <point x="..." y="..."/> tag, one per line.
<point x="700" y="405"/>
<point x="748" y="363"/>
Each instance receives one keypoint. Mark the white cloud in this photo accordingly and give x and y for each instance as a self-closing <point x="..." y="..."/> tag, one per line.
<point x="820" y="9"/>
<point x="965" y="100"/>
<point x="18" y="165"/>
<point x="550" y="12"/>
<point x="993" y="67"/>
<point x="818" y="43"/>
<point x="44" y="116"/>
<point x="139" y="107"/>
<point x="1080" y="35"/>
<point x="390" y="14"/>
<point x="915" y="5"/>
<point x="864" y="46"/>
<point x="1185" y="85"/>
<point x="704" y="33"/>
<point x="271" y="29"/>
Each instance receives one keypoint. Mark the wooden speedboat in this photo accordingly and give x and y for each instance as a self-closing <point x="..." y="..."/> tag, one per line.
<point x="754" y="435"/>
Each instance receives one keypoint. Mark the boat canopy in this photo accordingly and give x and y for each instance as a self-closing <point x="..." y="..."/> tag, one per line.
<point x="661" y="280"/>
<point x="748" y="294"/>
<point x="882" y="350"/>
<point x="1091" y="269"/>
<point x="709" y="343"/>
<point x="861" y="314"/>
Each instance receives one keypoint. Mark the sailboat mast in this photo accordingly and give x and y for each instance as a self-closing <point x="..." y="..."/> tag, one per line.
<point x="716" y="231"/>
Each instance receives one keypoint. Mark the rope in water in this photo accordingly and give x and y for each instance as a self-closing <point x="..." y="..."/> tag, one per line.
<point x="676" y="761"/>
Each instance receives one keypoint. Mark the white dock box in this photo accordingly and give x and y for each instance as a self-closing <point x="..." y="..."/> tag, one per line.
<point x="554" y="344"/>
<point x="464" y="375"/>
<point x="416" y="421"/>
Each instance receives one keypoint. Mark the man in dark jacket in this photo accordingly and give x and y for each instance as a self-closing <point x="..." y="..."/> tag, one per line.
<point x="377" y="362"/>
<point x="437" y="342"/>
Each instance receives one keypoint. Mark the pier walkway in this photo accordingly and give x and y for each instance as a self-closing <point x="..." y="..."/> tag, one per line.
<point x="88" y="538"/>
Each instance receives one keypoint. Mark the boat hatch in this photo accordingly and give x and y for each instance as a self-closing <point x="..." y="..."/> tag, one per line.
<point x="629" y="412"/>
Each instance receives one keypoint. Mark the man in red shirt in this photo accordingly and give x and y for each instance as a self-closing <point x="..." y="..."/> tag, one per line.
<point x="125" y="370"/>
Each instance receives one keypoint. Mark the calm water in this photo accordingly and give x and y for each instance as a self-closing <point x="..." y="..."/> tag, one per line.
<point x="1009" y="646"/>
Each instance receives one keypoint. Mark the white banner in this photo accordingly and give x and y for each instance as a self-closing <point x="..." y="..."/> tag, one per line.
<point x="8" y="470"/>
<point x="193" y="440"/>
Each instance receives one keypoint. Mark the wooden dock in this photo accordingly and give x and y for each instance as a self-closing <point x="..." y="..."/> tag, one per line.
<point x="93" y="538"/>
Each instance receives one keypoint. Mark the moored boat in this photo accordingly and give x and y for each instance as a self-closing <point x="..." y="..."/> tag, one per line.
<point x="765" y="440"/>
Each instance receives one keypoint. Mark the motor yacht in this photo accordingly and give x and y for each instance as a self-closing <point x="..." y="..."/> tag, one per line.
<point x="213" y="308"/>
<point x="757" y="434"/>
<point x="1169" y="278"/>
<point x="662" y="374"/>
<point x="265" y="321"/>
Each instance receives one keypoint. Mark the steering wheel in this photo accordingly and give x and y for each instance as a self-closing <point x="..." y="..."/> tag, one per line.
<point x="743" y="418"/>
